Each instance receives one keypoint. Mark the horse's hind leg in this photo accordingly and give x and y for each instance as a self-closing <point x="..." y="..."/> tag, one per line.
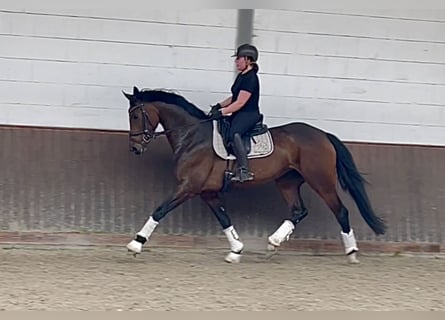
<point x="289" y="185"/>
<point x="342" y="215"/>
<point x="325" y="186"/>
<point x="236" y="246"/>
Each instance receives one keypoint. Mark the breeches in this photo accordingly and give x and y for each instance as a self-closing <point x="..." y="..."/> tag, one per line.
<point x="242" y="122"/>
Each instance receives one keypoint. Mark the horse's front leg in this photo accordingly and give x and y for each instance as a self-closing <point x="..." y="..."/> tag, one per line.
<point x="236" y="246"/>
<point x="168" y="205"/>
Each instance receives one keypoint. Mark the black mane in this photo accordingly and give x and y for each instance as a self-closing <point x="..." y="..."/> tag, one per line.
<point x="170" y="98"/>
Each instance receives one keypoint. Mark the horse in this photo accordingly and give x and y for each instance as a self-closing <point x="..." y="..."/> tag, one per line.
<point x="302" y="154"/>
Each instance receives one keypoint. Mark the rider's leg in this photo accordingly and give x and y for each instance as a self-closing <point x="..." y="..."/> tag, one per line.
<point x="243" y="173"/>
<point x="241" y="123"/>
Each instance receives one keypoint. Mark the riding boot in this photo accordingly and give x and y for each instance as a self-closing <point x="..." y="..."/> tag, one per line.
<point x="243" y="173"/>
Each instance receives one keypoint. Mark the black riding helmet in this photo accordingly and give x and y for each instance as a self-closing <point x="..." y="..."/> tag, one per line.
<point x="247" y="50"/>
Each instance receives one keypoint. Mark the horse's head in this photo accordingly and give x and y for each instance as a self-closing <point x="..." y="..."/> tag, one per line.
<point x="143" y="122"/>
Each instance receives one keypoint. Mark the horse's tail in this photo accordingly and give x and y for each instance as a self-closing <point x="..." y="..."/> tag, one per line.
<point x="353" y="182"/>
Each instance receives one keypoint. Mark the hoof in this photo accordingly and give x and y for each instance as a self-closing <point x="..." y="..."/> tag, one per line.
<point x="270" y="254"/>
<point x="271" y="247"/>
<point x="233" y="257"/>
<point x="352" y="258"/>
<point x="134" y="247"/>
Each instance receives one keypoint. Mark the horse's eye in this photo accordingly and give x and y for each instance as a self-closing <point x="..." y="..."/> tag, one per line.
<point x="135" y="117"/>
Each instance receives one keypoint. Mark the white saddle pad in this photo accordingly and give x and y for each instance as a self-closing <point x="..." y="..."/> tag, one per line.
<point x="261" y="145"/>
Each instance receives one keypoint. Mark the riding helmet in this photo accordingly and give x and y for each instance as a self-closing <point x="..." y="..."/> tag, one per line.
<point x="247" y="50"/>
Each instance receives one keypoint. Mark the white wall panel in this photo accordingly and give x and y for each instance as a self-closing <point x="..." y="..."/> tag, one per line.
<point x="353" y="111"/>
<point x="112" y="76"/>
<point x="115" y="53"/>
<point x="71" y="63"/>
<point x="362" y="76"/>
<point x="352" y="89"/>
<point x="139" y="10"/>
<point x="350" y="25"/>
<point x="350" y="47"/>
<point x="365" y="74"/>
<point x="427" y="10"/>
<point x="341" y="67"/>
<point x="120" y="31"/>
<point x="62" y="116"/>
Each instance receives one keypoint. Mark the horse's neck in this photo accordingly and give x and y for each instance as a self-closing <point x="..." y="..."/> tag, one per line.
<point x="174" y="118"/>
<point x="183" y="130"/>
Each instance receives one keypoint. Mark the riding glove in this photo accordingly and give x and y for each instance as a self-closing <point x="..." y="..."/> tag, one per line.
<point x="215" y="114"/>
<point x="216" y="106"/>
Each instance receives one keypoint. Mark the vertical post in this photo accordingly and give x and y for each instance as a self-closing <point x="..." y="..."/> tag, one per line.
<point x="245" y="26"/>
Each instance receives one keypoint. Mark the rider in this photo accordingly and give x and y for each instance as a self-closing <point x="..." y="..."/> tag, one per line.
<point x="242" y="106"/>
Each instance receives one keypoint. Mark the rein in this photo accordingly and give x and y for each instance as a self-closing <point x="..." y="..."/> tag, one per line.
<point x="149" y="135"/>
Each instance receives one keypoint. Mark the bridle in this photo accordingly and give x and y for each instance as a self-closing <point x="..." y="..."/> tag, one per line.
<point x="147" y="134"/>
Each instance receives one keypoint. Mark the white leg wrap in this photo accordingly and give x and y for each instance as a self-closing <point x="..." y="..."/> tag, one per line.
<point x="148" y="228"/>
<point x="352" y="258"/>
<point x="282" y="233"/>
<point x="235" y="244"/>
<point x="134" y="246"/>
<point x="349" y="242"/>
<point x="233" y="257"/>
<point x="146" y="231"/>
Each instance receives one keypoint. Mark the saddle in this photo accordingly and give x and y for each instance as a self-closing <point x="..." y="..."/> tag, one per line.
<point x="257" y="141"/>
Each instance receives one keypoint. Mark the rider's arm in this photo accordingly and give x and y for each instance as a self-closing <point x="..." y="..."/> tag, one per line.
<point x="226" y="102"/>
<point x="243" y="96"/>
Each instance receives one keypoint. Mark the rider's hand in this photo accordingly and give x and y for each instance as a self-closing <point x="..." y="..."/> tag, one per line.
<point x="215" y="114"/>
<point x="214" y="108"/>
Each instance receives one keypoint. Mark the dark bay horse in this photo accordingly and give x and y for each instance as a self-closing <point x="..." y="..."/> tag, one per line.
<point x="302" y="153"/>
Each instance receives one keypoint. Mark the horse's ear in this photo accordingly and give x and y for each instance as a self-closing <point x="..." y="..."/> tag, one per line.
<point x="128" y="96"/>
<point x="135" y="90"/>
